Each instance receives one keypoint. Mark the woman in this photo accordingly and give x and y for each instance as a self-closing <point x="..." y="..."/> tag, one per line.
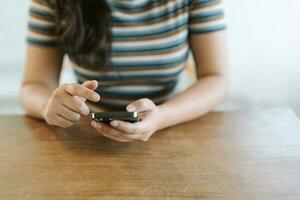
<point x="129" y="52"/>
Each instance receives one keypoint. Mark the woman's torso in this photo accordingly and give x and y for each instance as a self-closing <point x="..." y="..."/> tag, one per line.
<point x="149" y="51"/>
<point x="149" y="48"/>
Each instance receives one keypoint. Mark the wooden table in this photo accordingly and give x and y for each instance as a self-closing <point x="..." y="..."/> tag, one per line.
<point x="235" y="155"/>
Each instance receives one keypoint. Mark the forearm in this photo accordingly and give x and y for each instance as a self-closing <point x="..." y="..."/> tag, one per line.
<point x="196" y="101"/>
<point x="33" y="97"/>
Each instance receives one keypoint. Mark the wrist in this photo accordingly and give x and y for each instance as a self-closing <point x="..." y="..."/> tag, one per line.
<point x="163" y="117"/>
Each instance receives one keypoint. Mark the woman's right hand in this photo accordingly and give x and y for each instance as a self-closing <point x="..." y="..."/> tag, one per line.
<point x="67" y="103"/>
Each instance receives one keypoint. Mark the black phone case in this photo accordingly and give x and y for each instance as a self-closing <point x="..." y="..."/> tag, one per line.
<point x="110" y="116"/>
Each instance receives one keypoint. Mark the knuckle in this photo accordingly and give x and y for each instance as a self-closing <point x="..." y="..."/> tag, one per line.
<point x="49" y="119"/>
<point x="56" y="93"/>
<point x="145" y="102"/>
<point x="146" y="99"/>
<point x="75" y="99"/>
<point x="142" y="103"/>
<point x="148" y="102"/>
<point x="66" y="86"/>
<point x="73" y="89"/>
<point x="70" y="87"/>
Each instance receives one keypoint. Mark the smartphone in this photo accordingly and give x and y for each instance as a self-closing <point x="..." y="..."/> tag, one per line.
<point x="110" y="116"/>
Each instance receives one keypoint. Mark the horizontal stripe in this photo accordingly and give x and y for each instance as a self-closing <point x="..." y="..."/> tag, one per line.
<point x="152" y="29"/>
<point x="41" y="22"/>
<point x="153" y="52"/>
<point x="137" y="88"/>
<point x="130" y="94"/>
<point x="207" y="30"/>
<point x="152" y="45"/>
<point x="150" y="37"/>
<point x="116" y="72"/>
<point x="41" y="36"/>
<point x="204" y="3"/>
<point x="44" y="43"/>
<point x="139" y="56"/>
<point x="124" y="102"/>
<point x="207" y="27"/>
<point x="41" y="13"/>
<point x="149" y="60"/>
<point x="166" y="10"/>
<point x="114" y="83"/>
<point x="207" y="15"/>
<point x="134" y="7"/>
<point x="42" y="28"/>
<point x="42" y="6"/>
<point x="117" y="77"/>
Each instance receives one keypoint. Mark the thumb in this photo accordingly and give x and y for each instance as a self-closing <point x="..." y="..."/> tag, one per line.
<point x="141" y="105"/>
<point x="91" y="84"/>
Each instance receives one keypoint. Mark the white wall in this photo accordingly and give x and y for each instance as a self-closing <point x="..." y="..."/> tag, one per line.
<point x="13" y="17"/>
<point x="264" y="43"/>
<point x="263" y="40"/>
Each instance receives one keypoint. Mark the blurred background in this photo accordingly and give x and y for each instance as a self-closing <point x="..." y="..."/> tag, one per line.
<point x="264" y="50"/>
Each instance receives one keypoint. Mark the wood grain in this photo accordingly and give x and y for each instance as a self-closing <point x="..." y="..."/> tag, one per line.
<point x="236" y="155"/>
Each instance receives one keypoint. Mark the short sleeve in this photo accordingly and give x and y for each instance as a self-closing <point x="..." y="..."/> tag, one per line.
<point x="206" y="16"/>
<point x="41" y="25"/>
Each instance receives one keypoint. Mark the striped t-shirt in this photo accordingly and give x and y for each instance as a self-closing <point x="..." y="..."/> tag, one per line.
<point x="149" y="45"/>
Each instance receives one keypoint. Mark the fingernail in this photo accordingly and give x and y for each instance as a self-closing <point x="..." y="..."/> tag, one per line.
<point x="114" y="123"/>
<point x="131" y="108"/>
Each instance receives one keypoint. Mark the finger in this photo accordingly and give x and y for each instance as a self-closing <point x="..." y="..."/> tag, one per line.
<point x="68" y="114"/>
<point x="132" y="131"/>
<point x="76" y="104"/>
<point x="109" y="132"/>
<point x="91" y="84"/>
<point x="140" y="105"/>
<point x="62" y="122"/>
<point x="81" y="91"/>
<point x="122" y="135"/>
<point x="127" y="127"/>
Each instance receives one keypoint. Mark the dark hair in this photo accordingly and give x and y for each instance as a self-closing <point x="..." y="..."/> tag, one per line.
<point x="84" y="28"/>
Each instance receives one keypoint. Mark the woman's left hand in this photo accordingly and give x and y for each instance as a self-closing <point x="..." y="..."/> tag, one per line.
<point x="122" y="131"/>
